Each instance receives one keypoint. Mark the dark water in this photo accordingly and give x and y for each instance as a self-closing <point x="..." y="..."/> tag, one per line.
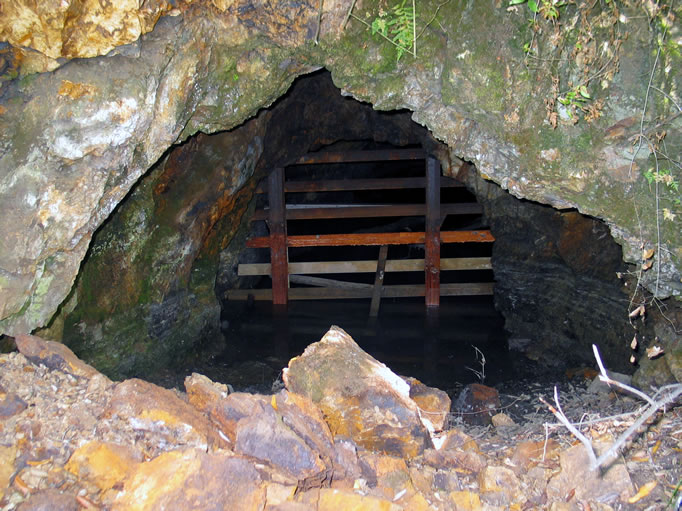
<point x="436" y="347"/>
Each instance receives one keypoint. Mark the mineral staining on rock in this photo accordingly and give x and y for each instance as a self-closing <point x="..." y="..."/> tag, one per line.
<point x="84" y="441"/>
<point x="74" y="141"/>
<point x="359" y="396"/>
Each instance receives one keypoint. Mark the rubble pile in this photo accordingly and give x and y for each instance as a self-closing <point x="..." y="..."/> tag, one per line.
<point x="346" y="433"/>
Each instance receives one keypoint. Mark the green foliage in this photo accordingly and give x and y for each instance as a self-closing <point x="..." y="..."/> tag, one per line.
<point x="549" y="9"/>
<point x="671" y="185"/>
<point x="398" y="26"/>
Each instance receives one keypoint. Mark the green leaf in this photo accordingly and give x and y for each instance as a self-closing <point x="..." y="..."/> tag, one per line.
<point x="564" y="101"/>
<point x="533" y="5"/>
<point x="584" y="93"/>
<point x="516" y="2"/>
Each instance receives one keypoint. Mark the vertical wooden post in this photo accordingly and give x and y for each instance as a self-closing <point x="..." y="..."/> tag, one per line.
<point x="278" y="237"/>
<point x="378" y="282"/>
<point x="432" y="241"/>
<point x="431" y="329"/>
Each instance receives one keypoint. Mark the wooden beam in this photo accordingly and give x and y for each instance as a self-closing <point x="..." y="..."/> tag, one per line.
<point x="402" y="291"/>
<point x="371" y="211"/>
<point x="320" y="282"/>
<point x="343" y="185"/>
<point x="432" y="235"/>
<point x="374" y="238"/>
<point x="278" y="237"/>
<point x="395" y="265"/>
<point x="358" y="156"/>
<point x="378" y="282"/>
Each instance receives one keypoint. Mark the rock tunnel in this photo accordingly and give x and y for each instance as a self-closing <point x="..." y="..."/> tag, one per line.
<point x="131" y="183"/>
<point x="201" y="199"/>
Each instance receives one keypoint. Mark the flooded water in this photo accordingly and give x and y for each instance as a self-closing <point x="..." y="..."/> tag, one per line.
<point x="439" y="348"/>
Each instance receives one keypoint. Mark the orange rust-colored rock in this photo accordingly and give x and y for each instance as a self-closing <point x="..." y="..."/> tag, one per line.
<point x="392" y="474"/>
<point x="458" y="439"/>
<point x="609" y="485"/>
<point x="359" y="396"/>
<point x="285" y="430"/>
<point x="77" y="28"/>
<point x="160" y="412"/>
<point x="54" y="355"/>
<point x="434" y="404"/>
<point x="334" y="500"/>
<point x="7" y="456"/>
<point x="528" y="454"/>
<point x="465" y="501"/>
<point x="193" y="480"/>
<point x="103" y="464"/>
<point x="478" y="403"/>
<point x="503" y="482"/>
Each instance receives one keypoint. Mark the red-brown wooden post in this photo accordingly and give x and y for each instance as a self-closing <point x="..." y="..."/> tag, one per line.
<point x="432" y="239"/>
<point x="278" y="237"/>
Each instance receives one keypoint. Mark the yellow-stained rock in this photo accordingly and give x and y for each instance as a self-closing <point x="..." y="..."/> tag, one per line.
<point x="458" y="439"/>
<point x="286" y="430"/>
<point x="193" y="480"/>
<point x="434" y="404"/>
<point x="335" y="500"/>
<point x="462" y="461"/>
<point x="103" y="464"/>
<point x="528" y="454"/>
<point x="393" y="476"/>
<point x="590" y="484"/>
<point x="414" y="502"/>
<point x="77" y="28"/>
<point x="161" y="412"/>
<point x="465" y="501"/>
<point x="503" y="480"/>
<point x="359" y="396"/>
<point x="276" y="494"/>
<point x="7" y="457"/>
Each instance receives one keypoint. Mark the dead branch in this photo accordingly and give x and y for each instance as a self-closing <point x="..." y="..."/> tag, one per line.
<point x="661" y="398"/>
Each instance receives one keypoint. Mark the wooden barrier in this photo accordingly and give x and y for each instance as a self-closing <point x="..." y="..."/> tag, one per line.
<point x="283" y="272"/>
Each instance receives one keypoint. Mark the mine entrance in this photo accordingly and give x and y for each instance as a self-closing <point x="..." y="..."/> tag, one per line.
<point x="378" y="242"/>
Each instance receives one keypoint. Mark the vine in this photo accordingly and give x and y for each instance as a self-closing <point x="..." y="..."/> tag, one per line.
<point x="577" y="44"/>
<point x="584" y="38"/>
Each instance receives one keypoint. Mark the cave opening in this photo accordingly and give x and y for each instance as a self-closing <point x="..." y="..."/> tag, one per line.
<point x="370" y="206"/>
<point x="170" y="256"/>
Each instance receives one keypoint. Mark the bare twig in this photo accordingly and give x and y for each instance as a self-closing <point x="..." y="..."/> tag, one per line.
<point x="319" y="22"/>
<point x="559" y="414"/>
<point x="675" y="391"/>
<point x="480" y="358"/>
<point x="661" y="398"/>
<point x="610" y="381"/>
<point x="348" y="14"/>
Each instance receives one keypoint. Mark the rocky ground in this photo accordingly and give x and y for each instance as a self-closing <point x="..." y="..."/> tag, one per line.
<point x="345" y="433"/>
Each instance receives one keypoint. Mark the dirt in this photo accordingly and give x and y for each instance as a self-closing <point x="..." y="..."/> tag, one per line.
<point x="64" y="412"/>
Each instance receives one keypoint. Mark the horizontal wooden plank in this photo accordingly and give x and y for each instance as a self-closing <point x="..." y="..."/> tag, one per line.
<point x="373" y="238"/>
<point x="320" y="282"/>
<point x="473" y="331"/>
<point x="370" y="211"/>
<point x="395" y="265"/>
<point x="402" y="291"/>
<point x="358" y="156"/>
<point x="343" y="185"/>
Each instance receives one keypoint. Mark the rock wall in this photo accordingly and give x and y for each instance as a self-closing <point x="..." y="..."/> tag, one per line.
<point x="73" y="141"/>
<point x="147" y="292"/>
<point x="556" y="282"/>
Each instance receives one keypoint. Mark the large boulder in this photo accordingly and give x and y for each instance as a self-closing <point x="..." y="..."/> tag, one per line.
<point x="359" y="396"/>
